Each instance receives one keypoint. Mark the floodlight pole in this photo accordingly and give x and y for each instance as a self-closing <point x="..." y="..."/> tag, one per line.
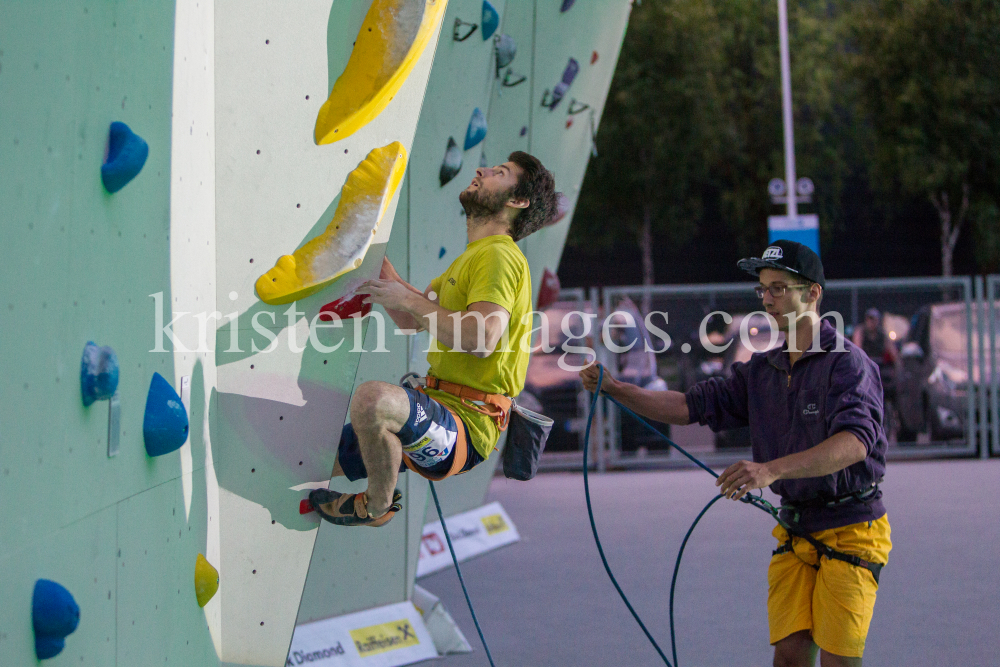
<point x="786" y="109"/>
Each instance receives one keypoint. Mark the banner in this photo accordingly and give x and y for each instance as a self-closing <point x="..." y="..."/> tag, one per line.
<point x="387" y="636"/>
<point x="472" y="533"/>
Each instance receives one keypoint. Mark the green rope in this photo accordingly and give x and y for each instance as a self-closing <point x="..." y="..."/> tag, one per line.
<point x="597" y="539"/>
<point x="757" y="501"/>
<point x="461" y="579"/>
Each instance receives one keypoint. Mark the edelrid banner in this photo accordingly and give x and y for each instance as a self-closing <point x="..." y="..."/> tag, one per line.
<point x="472" y="533"/>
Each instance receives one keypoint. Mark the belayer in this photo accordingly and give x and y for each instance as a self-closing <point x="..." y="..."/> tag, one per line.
<point x="478" y="312"/>
<point x="815" y="413"/>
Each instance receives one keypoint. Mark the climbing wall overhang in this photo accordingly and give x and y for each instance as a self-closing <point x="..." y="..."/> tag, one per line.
<point x="280" y="413"/>
<point x="429" y="231"/>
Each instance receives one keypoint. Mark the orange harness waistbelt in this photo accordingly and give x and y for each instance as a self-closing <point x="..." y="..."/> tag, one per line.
<point x="497" y="406"/>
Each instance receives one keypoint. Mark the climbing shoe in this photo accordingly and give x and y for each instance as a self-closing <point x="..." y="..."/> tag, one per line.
<point x="351" y="509"/>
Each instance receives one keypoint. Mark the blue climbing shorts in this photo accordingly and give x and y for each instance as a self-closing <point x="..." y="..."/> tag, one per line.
<point x="430" y="440"/>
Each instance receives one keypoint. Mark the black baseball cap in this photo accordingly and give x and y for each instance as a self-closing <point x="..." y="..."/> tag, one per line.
<point x="789" y="256"/>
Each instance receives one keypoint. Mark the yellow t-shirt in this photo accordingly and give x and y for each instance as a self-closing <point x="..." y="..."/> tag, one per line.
<point x="491" y="269"/>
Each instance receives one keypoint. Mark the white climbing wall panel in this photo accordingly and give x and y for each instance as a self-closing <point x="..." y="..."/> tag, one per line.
<point x="226" y="94"/>
<point x="462" y="78"/>
<point x="280" y="412"/>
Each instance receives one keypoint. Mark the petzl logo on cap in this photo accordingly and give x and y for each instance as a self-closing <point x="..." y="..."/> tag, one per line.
<point x="773" y="252"/>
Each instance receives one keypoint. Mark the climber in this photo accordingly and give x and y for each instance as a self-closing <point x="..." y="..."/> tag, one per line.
<point x="479" y="313"/>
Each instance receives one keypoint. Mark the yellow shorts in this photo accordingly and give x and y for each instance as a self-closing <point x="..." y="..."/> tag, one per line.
<point x="836" y="601"/>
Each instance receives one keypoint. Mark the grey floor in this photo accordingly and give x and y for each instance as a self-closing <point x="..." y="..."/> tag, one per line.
<point x="546" y="601"/>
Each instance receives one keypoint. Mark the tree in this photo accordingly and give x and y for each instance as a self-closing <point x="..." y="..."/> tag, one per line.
<point x="693" y="123"/>
<point x="928" y="74"/>
<point x="657" y="133"/>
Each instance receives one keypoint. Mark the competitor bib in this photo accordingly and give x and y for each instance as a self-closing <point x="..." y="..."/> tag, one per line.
<point x="434" y="447"/>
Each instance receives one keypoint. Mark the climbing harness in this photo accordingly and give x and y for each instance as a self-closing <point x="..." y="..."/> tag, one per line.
<point x="831" y="554"/>
<point x="822" y="549"/>
<point x="757" y="501"/>
<point x="526" y="438"/>
<point x="495" y="406"/>
<point x="862" y="496"/>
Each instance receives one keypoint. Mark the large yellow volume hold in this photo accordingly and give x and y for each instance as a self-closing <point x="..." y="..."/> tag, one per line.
<point x="342" y="247"/>
<point x="206" y="580"/>
<point x="394" y="35"/>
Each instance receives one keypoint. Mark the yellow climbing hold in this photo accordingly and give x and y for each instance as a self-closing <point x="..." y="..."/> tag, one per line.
<point x="206" y="580"/>
<point x="394" y="35"/>
<point x="342" y="247"/>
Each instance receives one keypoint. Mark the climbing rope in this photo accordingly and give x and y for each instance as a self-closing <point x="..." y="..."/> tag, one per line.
<point x="461" y="579"/>
<point x="757" y="501"/>
<point x="593" y="525"/>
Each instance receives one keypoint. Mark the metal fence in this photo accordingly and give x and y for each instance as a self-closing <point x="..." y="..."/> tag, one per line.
<point x="940" y="370"/>
<point x="559" y="391"/>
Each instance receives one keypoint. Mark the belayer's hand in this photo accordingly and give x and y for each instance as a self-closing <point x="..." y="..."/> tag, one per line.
<point x="742" y="477"/>
<point x="589" y="377"/>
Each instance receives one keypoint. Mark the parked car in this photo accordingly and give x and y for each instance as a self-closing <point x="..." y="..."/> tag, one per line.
<point x="933" y="382"/>
<point x="759" y="337"/>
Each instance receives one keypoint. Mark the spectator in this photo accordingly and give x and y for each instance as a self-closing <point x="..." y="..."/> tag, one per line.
<point x="871" y="338"/>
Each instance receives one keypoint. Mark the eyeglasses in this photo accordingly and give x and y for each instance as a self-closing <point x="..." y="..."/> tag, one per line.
<point x="777" y="291"/>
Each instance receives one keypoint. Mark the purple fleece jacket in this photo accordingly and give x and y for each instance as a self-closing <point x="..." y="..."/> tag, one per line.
<point x="791" y="409"/>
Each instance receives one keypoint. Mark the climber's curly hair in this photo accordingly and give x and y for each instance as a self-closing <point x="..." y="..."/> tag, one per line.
<point x="536" y="184"/>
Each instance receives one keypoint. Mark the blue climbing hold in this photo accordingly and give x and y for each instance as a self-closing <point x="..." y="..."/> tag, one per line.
<point x="54" y="614"/>
<point x="524" y="130"/>
<point x="98" y="373"/>
<point x="49" y="647"/>
<point x="127" y="153"/>
<point x="566" y="5"/>
<point x="165" y="424"/>
<point x="476" y="131"/>
<point x="441" y="252"/>
<point x="452" y="163"/>
<point x="491" y="20"/>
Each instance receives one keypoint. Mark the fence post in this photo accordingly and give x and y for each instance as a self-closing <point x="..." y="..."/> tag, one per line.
<point x="854" y="306"/>
<point x="994" y="375"/>
<point x="979" y="387"/>
<point x="598" y="437"/>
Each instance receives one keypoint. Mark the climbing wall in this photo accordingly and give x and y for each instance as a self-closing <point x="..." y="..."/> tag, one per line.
<point x="164" y="269"/>
<point x="120" y="533"/>
<point x="429" y="233"/>
<point x="280" y="412"/>
<point x="591" y="34"/>
<point x="161" y="159"/>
